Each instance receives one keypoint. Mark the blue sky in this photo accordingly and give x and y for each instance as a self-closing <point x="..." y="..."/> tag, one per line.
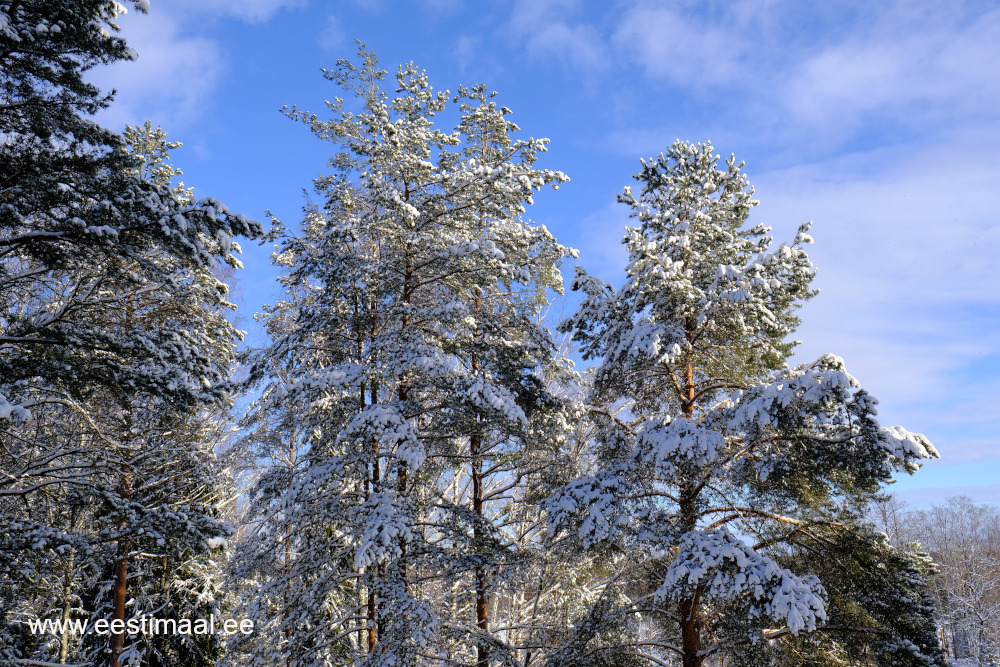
<point x="878" y="121"/>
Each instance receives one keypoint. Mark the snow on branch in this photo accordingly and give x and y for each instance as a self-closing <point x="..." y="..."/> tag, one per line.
<point x="12" y="411"/>
<point x="726" y="570"/>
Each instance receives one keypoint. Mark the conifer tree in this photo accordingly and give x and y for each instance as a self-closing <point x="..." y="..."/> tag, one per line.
<point x="731" y="488"/>
<point x="417" y="373"/>
<point x="134" y="492"/>
<point x="110" y="321"/>
<point x="78" y="224"/>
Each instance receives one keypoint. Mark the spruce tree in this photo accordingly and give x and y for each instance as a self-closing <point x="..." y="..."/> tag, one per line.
<point x="731" y="489"/>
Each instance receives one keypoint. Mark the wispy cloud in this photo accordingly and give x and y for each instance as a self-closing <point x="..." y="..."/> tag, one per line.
<point x="917" y="66"/>
<point x="332" y="38"/>
<point x="253" y="11"/>
<point x="547" y="32"/>
<point x="827" y="73"/>
<point x="178" y="68"/>
<point x="905" y="253"/>
<point x="674" y="45"/>
<point x="881" y="117"/>
<point x="170" y="83"/>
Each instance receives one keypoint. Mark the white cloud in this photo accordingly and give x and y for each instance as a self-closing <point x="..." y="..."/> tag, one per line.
<point x="178" y="69"/>
<point x="963" y="450"/>
<point x="253" y="11"/>
<point x="332" y="38"/>
<point x="930" y="65"/>
<point x="819" y="72"/>
<point x="547" y="34"/>
<point x="905" y="251"/>
<point x="906" y="226"/>
<point x="466" y="48"/>
<point x="170" y="83"/>
<point x="673" y="45"/>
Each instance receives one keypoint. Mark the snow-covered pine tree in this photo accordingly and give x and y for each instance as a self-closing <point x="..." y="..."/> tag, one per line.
<point x="81" y="230"/>
<point x="502" y="344"/>
<point x="132" y="487"/>
<point x="158" y="540"/>
<point x="267" y="461"/>
<point x="731" y="488"/>
<point x="416" y="369"/>
<point x="103" y="285"/>
<point x="165" y="565"/>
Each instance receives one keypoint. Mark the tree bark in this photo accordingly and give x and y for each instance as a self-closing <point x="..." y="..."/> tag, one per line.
<point x="482" y="601"/>
<point x="288" y="602"/>
<point x="67" y="607"/>
<point x="374" y="631"/>
<point x="121" y="579"/>
<point x="688" y="606"/>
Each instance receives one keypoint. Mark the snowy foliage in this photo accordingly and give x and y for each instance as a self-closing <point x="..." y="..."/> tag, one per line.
<point x="963" y="539"/>
<point x="718" y="465"/>
<point x="114" y="351"/>
<point x="422" y="480"/>
<point x="407" y="376"/>
<point x="722" y="568"/>
<point x="85" y="235"/>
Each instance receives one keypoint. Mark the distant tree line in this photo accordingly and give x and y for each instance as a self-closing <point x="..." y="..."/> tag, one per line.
<point x="963" y="539"/>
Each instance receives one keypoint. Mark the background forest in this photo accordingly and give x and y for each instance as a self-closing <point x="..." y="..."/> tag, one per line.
<point x="427" y="465"/>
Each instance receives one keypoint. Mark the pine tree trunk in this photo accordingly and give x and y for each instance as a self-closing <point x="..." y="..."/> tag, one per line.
<point x="690" y="637"/>
<point x="121" y="580"/>
<point x="688" y="606"/>
<point x="404" y="392"/>
<point x="482" y="602"/>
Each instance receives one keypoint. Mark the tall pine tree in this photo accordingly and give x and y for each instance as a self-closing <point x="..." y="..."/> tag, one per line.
<point x="411" y="357"/>
<point x="110" y="322"/>
<point x="731" y="489"/>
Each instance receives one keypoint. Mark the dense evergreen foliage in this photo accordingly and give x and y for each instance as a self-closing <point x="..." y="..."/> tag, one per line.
<point x="413" y="373"/>
<point x="114" y="349"/>
<point x="727" y="482"/>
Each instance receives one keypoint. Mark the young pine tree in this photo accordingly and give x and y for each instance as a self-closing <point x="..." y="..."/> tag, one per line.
<point x="731" y="489"/>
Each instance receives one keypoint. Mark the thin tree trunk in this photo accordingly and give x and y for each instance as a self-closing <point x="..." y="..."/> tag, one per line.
<point x="482" y="602"/>
<point x="67" y="607"/>
<point x="374" y="631"/>
<point x="288" y="603"/>
<point x="121" y="580"/>
<point x="404" y="393"/>
<point x="688" y="606"/>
